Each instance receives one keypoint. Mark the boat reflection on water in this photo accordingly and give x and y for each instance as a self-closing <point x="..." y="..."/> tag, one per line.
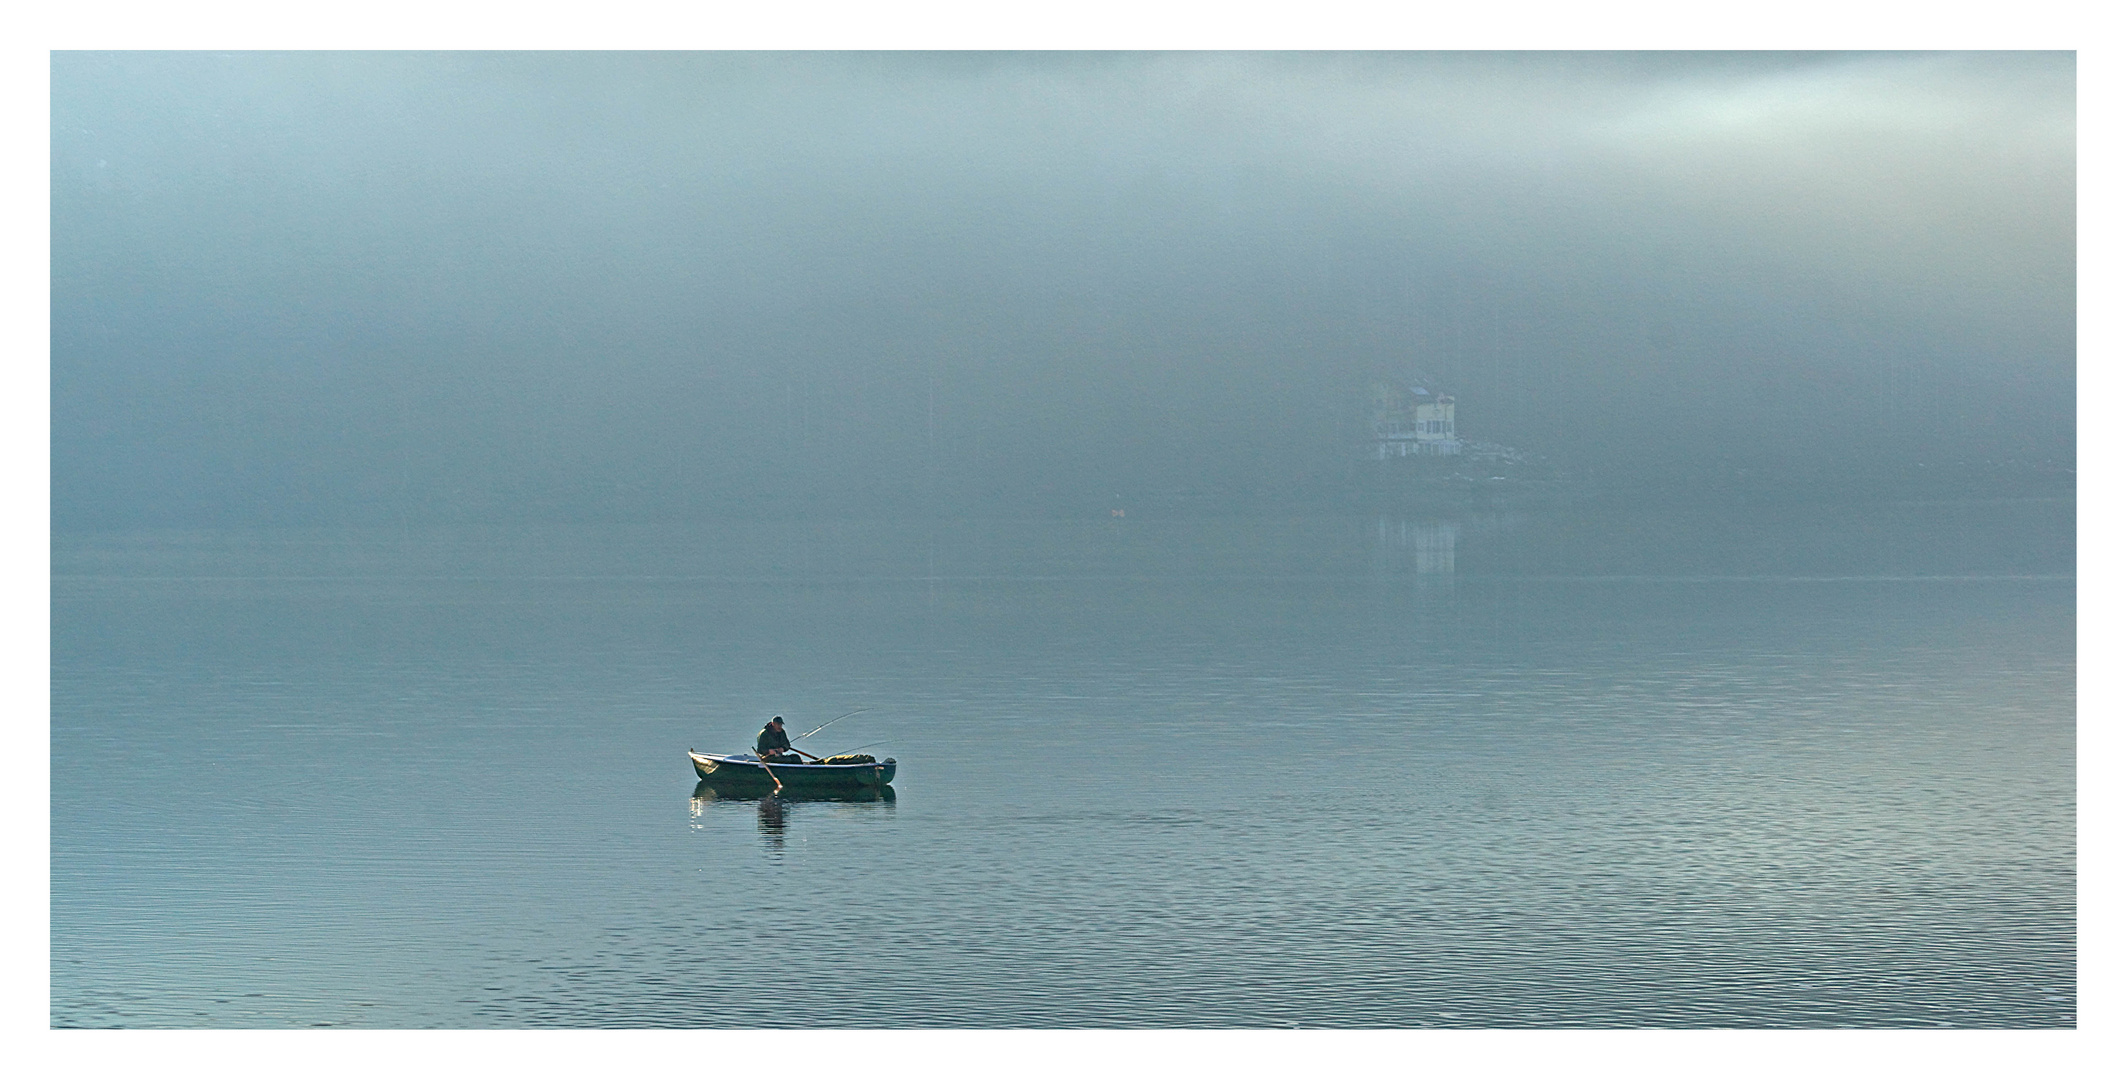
<point x="773" y="808"/>
<point x="704" y="791"/>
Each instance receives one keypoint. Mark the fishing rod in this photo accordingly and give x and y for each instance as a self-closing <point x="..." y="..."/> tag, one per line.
<point x="823" y="727"/>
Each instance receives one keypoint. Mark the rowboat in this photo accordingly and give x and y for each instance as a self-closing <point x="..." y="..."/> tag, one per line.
<point x="746" y="769"/>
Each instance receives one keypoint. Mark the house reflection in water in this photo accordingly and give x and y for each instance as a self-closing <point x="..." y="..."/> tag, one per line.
<point x="1426" y="547"/>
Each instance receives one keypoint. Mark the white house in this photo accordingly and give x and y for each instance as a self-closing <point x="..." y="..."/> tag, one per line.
<point x="1412" y="420"/>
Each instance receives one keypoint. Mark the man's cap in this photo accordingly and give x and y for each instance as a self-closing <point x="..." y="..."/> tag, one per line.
<point x="775" y="719"/>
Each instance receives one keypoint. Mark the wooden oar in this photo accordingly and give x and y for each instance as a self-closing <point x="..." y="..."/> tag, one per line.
<point x="771" y="772"/>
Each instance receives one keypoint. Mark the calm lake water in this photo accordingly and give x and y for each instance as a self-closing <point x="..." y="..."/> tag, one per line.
<point x="1592" y="766"/>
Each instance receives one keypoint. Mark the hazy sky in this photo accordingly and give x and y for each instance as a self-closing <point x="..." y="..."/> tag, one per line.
<point x="356" y="287"/>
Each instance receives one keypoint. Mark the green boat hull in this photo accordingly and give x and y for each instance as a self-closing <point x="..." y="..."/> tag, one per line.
<point x="730" y="770"/>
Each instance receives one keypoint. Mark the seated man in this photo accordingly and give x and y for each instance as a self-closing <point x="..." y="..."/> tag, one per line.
<point x="773" y="747"/>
